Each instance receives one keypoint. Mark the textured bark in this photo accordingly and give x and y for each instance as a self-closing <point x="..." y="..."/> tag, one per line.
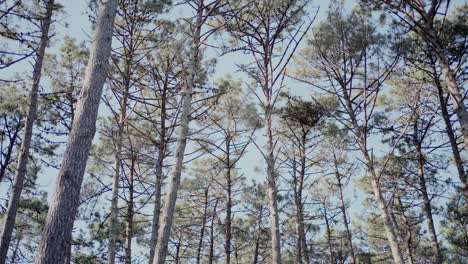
<point x="389" y="226"/>
<point x="13" y="202"/>
<point x="451" y="134"/>
<point x="427" y="208"/>
<point x="175" y="174"/>
<point x="456" y="93"/>
<point x="64" y="206"/>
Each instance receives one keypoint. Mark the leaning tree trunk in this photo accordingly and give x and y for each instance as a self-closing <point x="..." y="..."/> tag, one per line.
<point x="175" y="174"/>
<point x="203" y="226"/>
<point x="456" y="93"/>
<point x="427" y="208"/>
<point x="13" y="203"/>
<point x="65" y="202"/>
<point x="451" y="134"/>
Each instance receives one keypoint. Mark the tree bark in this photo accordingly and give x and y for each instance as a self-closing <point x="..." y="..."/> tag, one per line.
<point x="64" y="206"/>
<point x="130" y="213"/>
<point x="227" y="246"/>
<point x="344" y="213"/>
<point x="427" y="206"/>
<point x="203" y="227"/>
<point x="451" y="134"/>
<point x="175" y="174"/>
<point x="15" y="196"/>
<point x="456" y="93"/>
<point x="272" y="191"/>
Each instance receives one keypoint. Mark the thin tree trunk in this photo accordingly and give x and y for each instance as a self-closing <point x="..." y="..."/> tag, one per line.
<point x="227" y="246"/>
<point x="427" y="206"/>
<point x="451" y="134"/>
<point x="456" y="92"/>
<point x="118" y="166"/>
<point x="9" y="152"/>
<point x="344" y="214"/>
<point x="329" y="236"/>
<point x="203" y="226"/>
<point x="257" y="239"/>
<point x="212" y="239"/>
<point x="175" y="174"/>
<point x="158" y="179"/>
<point x="65" y="202"/>
<point x="272" y="191"/>
<point x="130" y="212"/>
<point x="408" y="231"/>
<point x="157" y="203"/>
<point x="15" y="196"/>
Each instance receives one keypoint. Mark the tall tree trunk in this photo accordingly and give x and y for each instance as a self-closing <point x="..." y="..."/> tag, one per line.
<point x="329" y="235"/>
<point x="427" y="206"/>
<point x="15" y="196"/>
<point x="456" y="93"/>
<point x="130" y="213"/>
<point x="257" y="239"/>
<point x="272" y="189"/>
<point x="65" y="202"/>
<point x="212" y="238"/>
<point x="344" y="213"/>
<point x="175" y="174"/>
<point x="158" y="179"/>
<point x="409" y="234"/>
<point x="118" y="166"/>
<point x="451" y="133"/>
<point x="227" y="246"/>
<point x="203" y="227"/>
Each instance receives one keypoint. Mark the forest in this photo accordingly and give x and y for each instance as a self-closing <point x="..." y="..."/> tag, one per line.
<point x="233" y="131"/>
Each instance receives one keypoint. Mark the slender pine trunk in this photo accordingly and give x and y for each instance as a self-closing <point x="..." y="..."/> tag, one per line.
<point x="227" y="246"/>
<point x="65" y="202"/>
<point x="203" y="226"/>
<point x="18" y="183"/>
<point x="451" y="134"/>
<point x="175" y="174"/>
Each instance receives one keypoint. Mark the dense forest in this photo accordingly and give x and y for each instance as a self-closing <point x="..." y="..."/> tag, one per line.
<point x="233" y="131"/>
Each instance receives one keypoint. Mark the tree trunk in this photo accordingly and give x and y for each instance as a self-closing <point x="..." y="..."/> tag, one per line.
<point x="15" y="196"/>
<point x="272" y="191"/>
<point x="9" y="152"/>
<point x="175" y="174"/>
<point x="118" y="166"/>
<point x="158" y="179"/>
<point x="456" y="93"/>
<point x="257" y="239"/>
<point x="451" y="134"/>
<point x="345" y="216"/>
<point x="329" y="236"/>
<point x="212" y="238"/>
<point x="130" y="212"/>
<point x="203" y="226"/>
<point x="64" y="206"/>
<point x="427" y="206"/>
<point x="227" y="246"/>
